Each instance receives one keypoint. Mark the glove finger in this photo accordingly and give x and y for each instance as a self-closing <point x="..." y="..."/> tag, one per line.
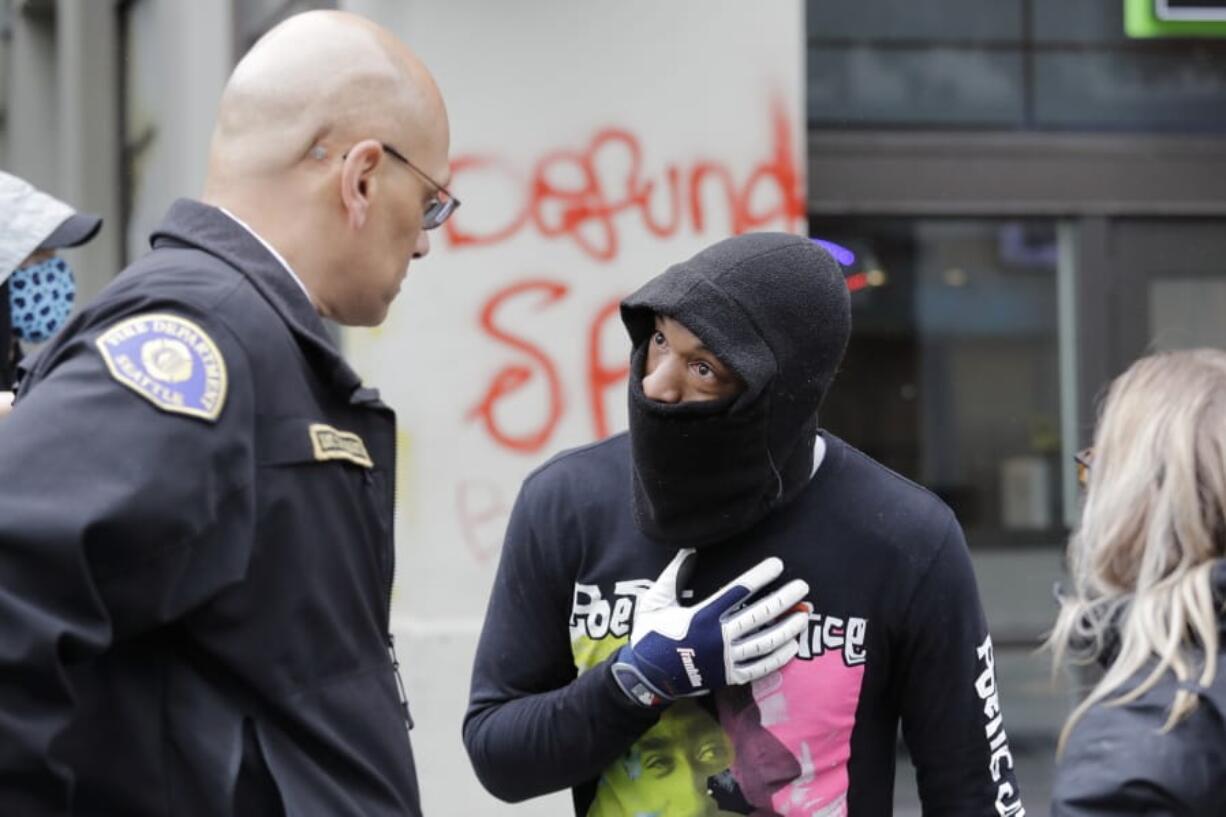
<point x="777" y="660"/>
<point x="767" y="641"/>
<point x="762" y="612"/>
<point x="663" y="592"/>
<point x="745" y="585"/>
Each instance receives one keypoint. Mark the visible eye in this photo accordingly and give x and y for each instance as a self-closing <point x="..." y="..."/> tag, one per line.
<point x="711" y="753"/>
<point x="704" y="370"/>
<point x="660" y="766"/>
<point x="658" y="339"/>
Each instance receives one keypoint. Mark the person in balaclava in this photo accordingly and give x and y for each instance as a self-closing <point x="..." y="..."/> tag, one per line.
<point x="37" y="287"/>
<point x="806" y="598"/>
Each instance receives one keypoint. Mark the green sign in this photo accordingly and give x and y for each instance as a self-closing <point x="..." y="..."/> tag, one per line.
<point x="1175" y="18"/>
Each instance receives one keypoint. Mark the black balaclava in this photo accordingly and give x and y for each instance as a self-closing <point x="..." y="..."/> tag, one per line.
<point x="775" y="309"/>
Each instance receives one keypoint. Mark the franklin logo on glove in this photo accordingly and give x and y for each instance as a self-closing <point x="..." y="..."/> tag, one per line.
<point x="687" y="661"/>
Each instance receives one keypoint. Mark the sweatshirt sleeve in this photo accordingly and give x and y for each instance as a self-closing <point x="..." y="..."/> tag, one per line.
<point x="532" y="726"/>
<point x="115" y="518"/>
<point x="950" y="704"/>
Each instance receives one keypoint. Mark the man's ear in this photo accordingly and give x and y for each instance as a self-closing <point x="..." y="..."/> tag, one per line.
<point x="358" y="181"/>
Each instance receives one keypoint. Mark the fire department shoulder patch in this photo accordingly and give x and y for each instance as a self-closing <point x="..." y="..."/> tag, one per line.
<point x="169" y="361"/>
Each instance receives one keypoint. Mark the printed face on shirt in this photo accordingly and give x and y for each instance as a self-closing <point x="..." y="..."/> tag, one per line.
<point x="681" y="369"/>
<point x="667" y="771"/>
<point x="688" y="744"/>
<point x="779" y="746"/>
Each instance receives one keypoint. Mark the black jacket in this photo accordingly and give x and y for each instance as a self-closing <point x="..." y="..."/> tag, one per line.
<point x="1119" y="762"/>
<point x="196" y="558"/>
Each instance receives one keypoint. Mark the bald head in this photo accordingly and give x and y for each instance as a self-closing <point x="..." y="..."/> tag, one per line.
<point x="320" y="77"/>
<point x="331" y="141"/>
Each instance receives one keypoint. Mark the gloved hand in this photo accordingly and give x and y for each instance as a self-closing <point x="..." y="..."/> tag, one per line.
<point x="677" y="652"/>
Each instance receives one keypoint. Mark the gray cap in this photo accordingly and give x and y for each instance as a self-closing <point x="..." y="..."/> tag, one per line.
<point x="31" y="220"/>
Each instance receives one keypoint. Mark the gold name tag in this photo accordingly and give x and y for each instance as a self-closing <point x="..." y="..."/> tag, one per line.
<point x="333" y="444"/>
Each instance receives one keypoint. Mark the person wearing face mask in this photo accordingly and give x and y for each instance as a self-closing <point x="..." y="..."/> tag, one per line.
<point x="807" y="599"/>
<point x="37" y="287"/>
<point x="196" y="521"/>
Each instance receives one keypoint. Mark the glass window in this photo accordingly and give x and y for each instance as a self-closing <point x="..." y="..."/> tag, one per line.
<point x="869" y="85"/>
<point x="1017" y="65"/>
<point x="1077" y="21"/>
<point x="952" y="377"/>
<point x="1185" y="313"/>
<point x="909" y="20"/>
<point x="1180" y="90"/>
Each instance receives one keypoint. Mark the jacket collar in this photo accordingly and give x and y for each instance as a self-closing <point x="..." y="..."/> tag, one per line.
<point x="195" y="224"/>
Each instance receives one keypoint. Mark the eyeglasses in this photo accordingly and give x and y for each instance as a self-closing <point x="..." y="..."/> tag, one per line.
<point x="441" y="206"/>
<point x="1083" y="458"/>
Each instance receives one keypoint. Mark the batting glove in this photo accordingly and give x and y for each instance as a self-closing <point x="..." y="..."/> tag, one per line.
<point x="677" y="652"/>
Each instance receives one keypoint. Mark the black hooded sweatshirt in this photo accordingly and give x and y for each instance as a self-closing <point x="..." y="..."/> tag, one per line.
<point x="896" y="633"/>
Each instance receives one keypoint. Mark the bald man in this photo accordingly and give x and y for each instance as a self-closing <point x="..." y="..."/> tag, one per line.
<point x="196" y="545"/>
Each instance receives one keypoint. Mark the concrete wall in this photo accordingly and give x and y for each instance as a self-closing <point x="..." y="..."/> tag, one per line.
<point x="178" y="57"/>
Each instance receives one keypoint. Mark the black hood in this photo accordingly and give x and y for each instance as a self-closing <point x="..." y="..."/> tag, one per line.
<point x="774" y="308"/>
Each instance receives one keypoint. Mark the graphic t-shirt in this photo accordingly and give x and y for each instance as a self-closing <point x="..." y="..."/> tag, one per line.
<point x="896" y="633"/>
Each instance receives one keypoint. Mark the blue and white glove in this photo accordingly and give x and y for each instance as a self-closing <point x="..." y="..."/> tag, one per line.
<point x="679" y="652"/>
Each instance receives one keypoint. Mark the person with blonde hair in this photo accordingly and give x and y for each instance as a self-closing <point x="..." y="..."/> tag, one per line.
<point x="1147" y="599"/>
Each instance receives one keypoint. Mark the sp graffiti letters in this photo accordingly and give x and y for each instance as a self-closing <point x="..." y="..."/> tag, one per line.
<point x="535" y="366"/>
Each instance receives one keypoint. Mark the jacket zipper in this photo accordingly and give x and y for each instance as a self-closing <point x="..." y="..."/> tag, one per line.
<point x="404" y="698"/>
<point x="391" y="583"/>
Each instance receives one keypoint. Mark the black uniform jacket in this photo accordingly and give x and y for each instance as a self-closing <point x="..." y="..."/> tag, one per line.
<point x="196" y="553"/>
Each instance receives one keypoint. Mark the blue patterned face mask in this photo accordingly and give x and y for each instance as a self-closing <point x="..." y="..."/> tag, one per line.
<point x="40" y="297"/>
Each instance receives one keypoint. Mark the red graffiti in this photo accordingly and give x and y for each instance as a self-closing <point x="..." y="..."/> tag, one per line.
<point x="575" y="195"/>
<point x="482" y="512"/>
<point x="514" y="377"/>
<point x="511" y="378"/>
<point x="600" y="377"/>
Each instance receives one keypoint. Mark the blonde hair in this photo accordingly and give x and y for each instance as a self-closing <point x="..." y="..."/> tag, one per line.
<point x="1153" y="525"/>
